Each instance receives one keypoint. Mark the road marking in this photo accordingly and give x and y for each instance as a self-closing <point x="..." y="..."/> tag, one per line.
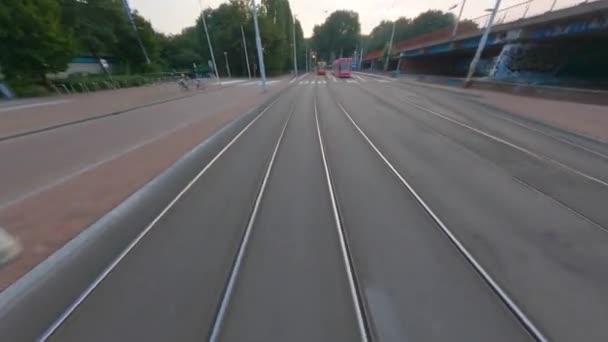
<point x="375" y="76"/>
<point x="33" y="105"/>
<point x="357" y="301"/>
<point x="64" y="316"/>
<point x="559" y="203"/>
<point x="232" y="82"/>
<point x="510" y="303"/>
<point x="298" y="78"/>
<point x="517" y="147"/>
<point x="383" y="81"/>
<point x="219" y="319"/>
<point x="259" y="83"/>
<point x="248" y="83"/>
<point x="351" y="81"/>
<point x="303" y="82"/>
<point x="333" y="78"/>
<point x="359" y="78"/>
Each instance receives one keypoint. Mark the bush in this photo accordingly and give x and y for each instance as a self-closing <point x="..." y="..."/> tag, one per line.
<point x="103" y="82"/>
<point x="27" y="88"/>
<point x="32" y="90"/>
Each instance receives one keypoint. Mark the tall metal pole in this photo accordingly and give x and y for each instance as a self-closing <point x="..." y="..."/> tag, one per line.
<point x="482" y="44"/>
<point x="127" y="9"/>
<point x="295" y="58"/>
<point x="258" y="43"/>
<point x="552" y="5"/>
<point x="227" y="64"/>
<point x="390" y="46"/>
<point x="306" y="59"/>
<point x="458" y="20"/>
<point x="217" y="75"/>
<point x="526" y="10"/>
<point x="246" y="55"/>
<point x="361" y="59"/>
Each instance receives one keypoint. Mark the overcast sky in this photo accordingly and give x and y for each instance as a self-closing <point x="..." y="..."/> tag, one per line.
<point x="171" y="16"/>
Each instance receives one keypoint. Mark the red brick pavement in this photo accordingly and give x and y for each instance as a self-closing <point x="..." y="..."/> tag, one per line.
<point x="46" y="221"/>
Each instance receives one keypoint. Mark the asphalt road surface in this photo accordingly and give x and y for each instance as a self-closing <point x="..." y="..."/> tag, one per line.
<point x="370" y="210"/>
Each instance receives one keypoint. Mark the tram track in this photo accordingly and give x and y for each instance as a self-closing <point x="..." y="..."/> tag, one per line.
<point x="344" y="241"/>
<point x="234" y="273"/>
<point x="540" y="157"/>
<point x="501" y="293"/>
<point x="504" y="141"/>
<point x="546" y="130"/>
<point x="81" y="298"/>
<point x="361" y="310"/>
<point x="538" y="170"/>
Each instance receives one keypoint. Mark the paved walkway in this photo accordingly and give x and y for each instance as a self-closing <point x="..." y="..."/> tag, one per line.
<point x="586" y="119"/>
<point x="43" y="221"/>
<point x="33" y="114"/>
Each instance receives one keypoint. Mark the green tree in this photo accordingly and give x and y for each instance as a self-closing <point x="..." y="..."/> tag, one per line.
<point x="338" y="36"/>
<point x="180" y="51"/>
<point x="276" y="25"/>
<point x="92" y="24"/>
<point x="224" y="25"/>
<point x="101" y="28"/>
<point x="430" y="21"/>
<point x="380" y="35"/>
<point x="127" y="51"/>
<point x="301" y="45"/>
<point x="32" y="43"/>
<point x="405" y="28"/>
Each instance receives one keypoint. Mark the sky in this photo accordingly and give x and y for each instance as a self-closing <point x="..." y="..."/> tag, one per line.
<point x="171" y="16"/>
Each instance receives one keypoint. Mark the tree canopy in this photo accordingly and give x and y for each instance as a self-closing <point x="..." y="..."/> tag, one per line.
<point x="338" y="36"/>
<point x="39" y="37"/>
<point x="224" y="25"/>
<point x="31" y="39"/>
<point x="405" y="28"/>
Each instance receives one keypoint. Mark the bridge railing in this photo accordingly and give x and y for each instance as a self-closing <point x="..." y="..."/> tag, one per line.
<point x="525" y="9"/>
<point x="510" y="11"/>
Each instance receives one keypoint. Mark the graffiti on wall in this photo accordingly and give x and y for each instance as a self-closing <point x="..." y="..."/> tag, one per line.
<point x="528" y="62"/>
<point x="574" y="27"/>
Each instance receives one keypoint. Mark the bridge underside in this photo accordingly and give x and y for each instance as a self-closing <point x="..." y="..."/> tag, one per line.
<point x="564" y="48"/>
<point x="565" y="61"/>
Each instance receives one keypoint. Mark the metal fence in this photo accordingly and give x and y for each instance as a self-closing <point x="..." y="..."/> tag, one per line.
<point x="510" y="12"/>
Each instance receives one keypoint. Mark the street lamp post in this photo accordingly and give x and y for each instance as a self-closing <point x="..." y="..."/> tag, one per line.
<point x="458" y="20"/>
<point x="127" y="9"/>
<point x="390" y="46"/>
<point x="295" y="58"/>
<point x="361" y="59"/>
<point x="258" y="43"/>
<point x="482" y="44"/>
<point x="306" y="59"/>
<point x="246" y="55"/>
<point x="227" y="64"/>
<point x="217" y="75"/>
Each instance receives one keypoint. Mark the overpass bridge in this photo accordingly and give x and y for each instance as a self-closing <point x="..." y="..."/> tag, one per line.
<point x="568" y="46"/>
